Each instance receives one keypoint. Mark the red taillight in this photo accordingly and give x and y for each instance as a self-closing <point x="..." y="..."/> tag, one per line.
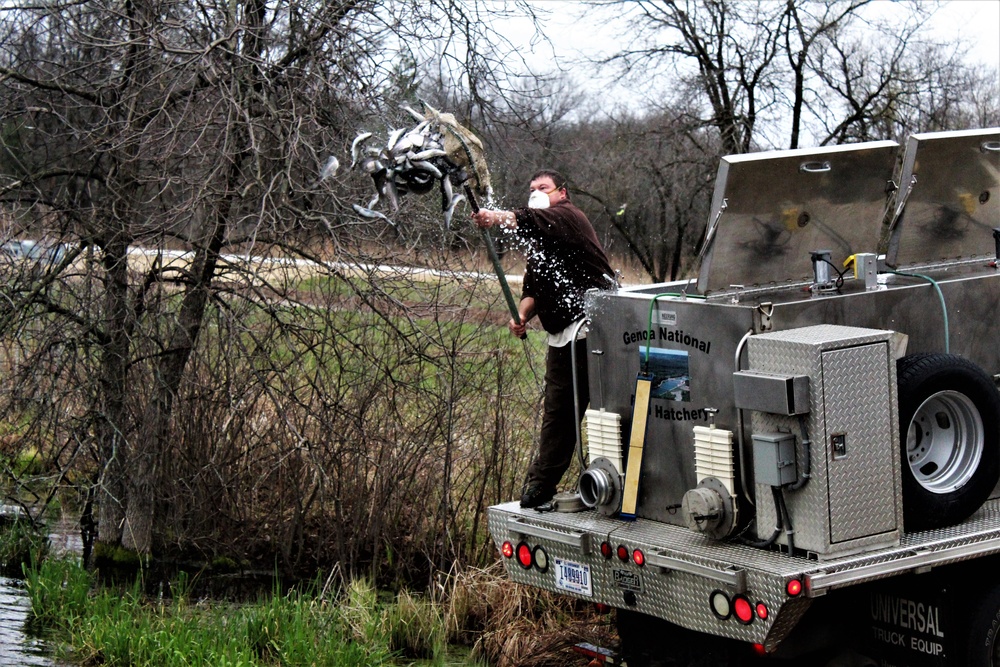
<point x="742" y="609"/>
<point x="761" y="611"/>
<point x="638" y="558"/>
<point x="623" y="553"/>
<point x="601" y="608"/>
<point x="759" y="650"/>
<point x="606" y="550"/>
<point x="793" y="587"/>
<point x="524" y="555"/>
<point x="507" y="550"/>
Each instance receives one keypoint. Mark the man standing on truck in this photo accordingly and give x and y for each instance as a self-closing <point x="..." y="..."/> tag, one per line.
<point x="565" y="259"/>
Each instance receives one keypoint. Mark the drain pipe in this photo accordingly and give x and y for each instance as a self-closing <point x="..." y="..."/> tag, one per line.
<point x="576" y="395"/>
<point x="806" y="471"/>
<point x="739" y="426"/>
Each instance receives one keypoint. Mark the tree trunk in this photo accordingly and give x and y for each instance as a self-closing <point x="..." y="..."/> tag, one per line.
<point x="110" y="427"/>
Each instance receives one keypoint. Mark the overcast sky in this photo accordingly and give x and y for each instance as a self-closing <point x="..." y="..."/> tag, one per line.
<point x="976" y="22"/>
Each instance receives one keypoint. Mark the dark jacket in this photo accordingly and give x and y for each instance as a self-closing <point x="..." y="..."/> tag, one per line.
<point x="565" y="259"/>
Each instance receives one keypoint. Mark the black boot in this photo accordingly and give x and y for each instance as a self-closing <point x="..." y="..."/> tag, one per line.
<point x="535" y="495"/>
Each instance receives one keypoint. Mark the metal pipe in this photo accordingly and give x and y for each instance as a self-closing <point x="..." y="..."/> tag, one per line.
<point x="778" y="525"/>
<point x="596" y="487"/>
<point x="576" y="394"/>
<point x="739" y="425"/>
<point x="789" y="530"/>
<point x="806" y="470"/>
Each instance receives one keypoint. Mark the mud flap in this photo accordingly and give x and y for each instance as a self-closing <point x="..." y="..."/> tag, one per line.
<point x="911" y="622"/>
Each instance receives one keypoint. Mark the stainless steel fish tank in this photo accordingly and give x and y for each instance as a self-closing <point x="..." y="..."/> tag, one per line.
<point x="873" y="235"/>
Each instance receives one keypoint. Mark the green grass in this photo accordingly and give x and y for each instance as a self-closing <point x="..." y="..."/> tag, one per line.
<point x="353" y="343"/>
<point x="121" y="626"/>
<point x="445" y="290"/>
<point x="59" y="591"/>
<point x="469" y="315"/>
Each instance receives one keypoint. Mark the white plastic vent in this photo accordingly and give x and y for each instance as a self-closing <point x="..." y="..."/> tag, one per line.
<point x="713" y="455"/>
<point x="604" y="437"/>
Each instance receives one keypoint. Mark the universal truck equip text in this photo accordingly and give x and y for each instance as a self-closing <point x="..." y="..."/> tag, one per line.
<point x="800" y="449"/>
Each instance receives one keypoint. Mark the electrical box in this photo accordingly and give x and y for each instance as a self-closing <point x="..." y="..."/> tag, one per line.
<point x="774" y="459"/>
<point x="852" y="501"/>
<point x="780" y="394"/>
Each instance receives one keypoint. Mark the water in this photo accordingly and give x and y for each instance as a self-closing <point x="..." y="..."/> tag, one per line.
<point x="16" y="648"/>
<point x="64" y="537"/>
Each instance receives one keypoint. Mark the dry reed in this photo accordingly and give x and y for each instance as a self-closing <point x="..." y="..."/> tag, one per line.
<point x="513" y="625"/>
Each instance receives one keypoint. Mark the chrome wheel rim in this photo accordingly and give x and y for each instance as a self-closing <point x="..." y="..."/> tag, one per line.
<point x="944" y="442"/>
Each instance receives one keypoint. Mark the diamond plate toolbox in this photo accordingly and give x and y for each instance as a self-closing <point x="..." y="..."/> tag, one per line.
<point x="852" y="502"/>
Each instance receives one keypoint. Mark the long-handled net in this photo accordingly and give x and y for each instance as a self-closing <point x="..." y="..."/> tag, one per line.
<point x="437" y="150"/>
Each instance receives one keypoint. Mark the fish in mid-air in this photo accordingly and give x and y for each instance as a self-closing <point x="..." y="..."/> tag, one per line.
<point x="412" y="160"/>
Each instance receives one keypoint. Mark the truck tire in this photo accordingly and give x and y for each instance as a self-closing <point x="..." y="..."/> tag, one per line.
<point x="982" y="645"/>
<point x="949" y="422"/>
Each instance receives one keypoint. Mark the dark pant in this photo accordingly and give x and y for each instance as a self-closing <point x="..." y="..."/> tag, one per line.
<point x="557" y="442"/>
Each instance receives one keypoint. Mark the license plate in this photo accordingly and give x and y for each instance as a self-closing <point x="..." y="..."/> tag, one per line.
<point x="573" y="577"/>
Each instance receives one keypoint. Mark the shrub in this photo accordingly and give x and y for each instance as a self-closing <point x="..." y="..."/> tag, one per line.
<point x="21" y="544"/>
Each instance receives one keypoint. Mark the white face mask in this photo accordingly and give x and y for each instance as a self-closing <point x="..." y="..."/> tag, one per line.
<point x="538" y="199"/>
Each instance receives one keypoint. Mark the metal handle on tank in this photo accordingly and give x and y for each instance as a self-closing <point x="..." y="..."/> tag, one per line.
<point x="815" y="167"/>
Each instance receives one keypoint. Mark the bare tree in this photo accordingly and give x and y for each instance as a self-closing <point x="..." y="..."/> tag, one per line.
<point x="187" y="326"/>
<point x="806" y="27"/>
<point x="833" y="70"/>
<point x="738" y="75"/>
<point x="877" y="90"/>
<point x="732" y="46"/>
<point x="534" y="132"/>
<point x="650" y="178"/>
